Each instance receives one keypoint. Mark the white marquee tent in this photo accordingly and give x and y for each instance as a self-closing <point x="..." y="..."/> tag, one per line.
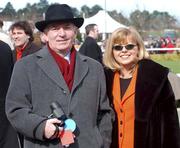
<point x="6" y="25"/>
<point x="106" y="23"/>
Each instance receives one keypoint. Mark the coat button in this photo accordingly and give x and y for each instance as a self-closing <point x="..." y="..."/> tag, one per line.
<point x="120" y="135"/>
<point x="70" y="115"/>
<point x="121" y="110"/>
<point x="121" y="122"/>
<point x="64" y="92"/>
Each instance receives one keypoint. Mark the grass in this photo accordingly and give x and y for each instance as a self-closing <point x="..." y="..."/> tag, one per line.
<point x="172" y="61"/>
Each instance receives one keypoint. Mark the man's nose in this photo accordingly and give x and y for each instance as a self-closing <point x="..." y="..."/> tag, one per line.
<point x="14" y="35"/>
<point x="61" y="31"/>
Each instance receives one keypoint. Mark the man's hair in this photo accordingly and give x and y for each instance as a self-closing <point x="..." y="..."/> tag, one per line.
<point x="89" y="28"/>
<point x="1" y="23"/>
<point x="24" y="25"/>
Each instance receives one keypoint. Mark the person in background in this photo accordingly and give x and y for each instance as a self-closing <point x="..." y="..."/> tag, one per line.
<point x="22" y="37"/>
<point x="43" y="39"/>
<point x="142" y="96"/>
<point x="8" y="136"/>
<point x="169" y="44"/>
<point x="162" y="45"/>
<point x="177" y="43"/>
<point x="4" y="36"/>
<point x="58" y="74"/>
<point x="90" y="47"/>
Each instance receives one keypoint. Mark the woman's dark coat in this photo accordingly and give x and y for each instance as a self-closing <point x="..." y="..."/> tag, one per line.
<point x="8" y="136"/>
<point x="156" y="120"/>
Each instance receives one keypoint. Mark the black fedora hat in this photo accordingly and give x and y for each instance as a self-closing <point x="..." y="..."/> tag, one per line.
<point x="58" y="13"/>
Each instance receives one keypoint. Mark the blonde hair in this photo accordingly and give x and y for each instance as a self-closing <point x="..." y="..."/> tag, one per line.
<point x="119" y="36"/>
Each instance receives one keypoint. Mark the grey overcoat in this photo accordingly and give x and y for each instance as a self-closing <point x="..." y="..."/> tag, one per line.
<point x="36" y="82"/>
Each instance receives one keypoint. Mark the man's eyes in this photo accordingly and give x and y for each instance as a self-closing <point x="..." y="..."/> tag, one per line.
<point x="64" y="27"/>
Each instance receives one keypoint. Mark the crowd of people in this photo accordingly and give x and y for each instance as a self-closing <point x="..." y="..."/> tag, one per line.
<point x="54" y="96"/>
<point x="162" y="43"/>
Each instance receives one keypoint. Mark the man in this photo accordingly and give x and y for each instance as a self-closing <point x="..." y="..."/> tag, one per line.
<point x="22" y="36"/>
<point x="90" y="47"/>
<point x="8" y="136"/>
<point x="57" y="73"/>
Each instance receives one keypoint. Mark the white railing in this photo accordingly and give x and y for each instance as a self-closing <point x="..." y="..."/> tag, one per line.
<point x="161" y="49"/>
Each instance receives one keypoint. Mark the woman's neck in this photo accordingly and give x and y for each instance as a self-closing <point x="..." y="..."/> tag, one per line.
<point x="127" y="72"/>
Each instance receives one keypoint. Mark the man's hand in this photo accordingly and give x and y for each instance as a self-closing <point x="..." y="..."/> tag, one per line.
<point x="50" y="127"/>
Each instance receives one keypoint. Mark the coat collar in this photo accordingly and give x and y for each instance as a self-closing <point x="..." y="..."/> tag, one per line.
<point x="49" y="66"/>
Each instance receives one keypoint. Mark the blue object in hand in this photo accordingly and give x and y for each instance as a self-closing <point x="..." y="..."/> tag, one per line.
<point x="69" y="124"/>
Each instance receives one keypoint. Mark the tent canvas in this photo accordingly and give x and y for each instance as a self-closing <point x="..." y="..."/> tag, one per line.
<point x="106" y="23"/>
<point x="6" y="25"/>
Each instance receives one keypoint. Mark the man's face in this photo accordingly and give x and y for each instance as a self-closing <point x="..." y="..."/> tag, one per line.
<point x="61" y="36"/>
<point x="19" y="37"/>
<point x="96" y="32"/>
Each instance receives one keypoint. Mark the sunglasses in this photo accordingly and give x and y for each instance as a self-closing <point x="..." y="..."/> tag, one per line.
<point x="120" y="47"/>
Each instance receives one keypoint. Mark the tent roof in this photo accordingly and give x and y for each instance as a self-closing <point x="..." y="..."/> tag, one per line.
<point x="106" y="23"/>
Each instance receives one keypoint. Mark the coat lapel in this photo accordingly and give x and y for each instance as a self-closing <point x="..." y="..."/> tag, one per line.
<point x="116" y="91"/>
<point x="49" y="66"/>
<point x="131" y="88"/>
<point x="81" y="69"/>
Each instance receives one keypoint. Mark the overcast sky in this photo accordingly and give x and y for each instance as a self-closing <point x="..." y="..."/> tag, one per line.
<point x="123" y="6"/>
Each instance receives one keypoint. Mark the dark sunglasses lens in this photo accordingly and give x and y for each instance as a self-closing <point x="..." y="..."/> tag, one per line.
<point x="118" y="47"/>
<point x="129" y="46"/>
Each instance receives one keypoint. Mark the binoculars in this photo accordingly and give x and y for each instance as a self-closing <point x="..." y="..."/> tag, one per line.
<point x="58" y="113"/>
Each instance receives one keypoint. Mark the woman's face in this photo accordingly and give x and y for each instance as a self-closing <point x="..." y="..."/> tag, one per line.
<point x="19" y="37"/>
<point x="126" y="54"/>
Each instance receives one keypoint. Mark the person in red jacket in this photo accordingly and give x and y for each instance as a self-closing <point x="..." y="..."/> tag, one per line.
<point x="169" y="44"/>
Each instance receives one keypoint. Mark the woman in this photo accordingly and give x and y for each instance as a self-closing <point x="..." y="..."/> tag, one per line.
<point x="22" y="37"/>
<point x="140" y="93"/>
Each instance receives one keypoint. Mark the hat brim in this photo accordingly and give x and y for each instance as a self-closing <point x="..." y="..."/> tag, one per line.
<point x="78" y="22"/>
